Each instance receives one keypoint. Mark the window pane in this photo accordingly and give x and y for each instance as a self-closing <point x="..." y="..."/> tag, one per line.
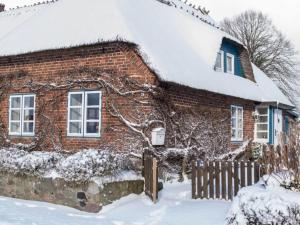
<point x="15" y="127"/>
<point x="75" y="114"/>
<point x="262" y="119"/>
<point x="262" y="127"/>
<point x="15" y="114"/>
<point x="16" y="102"/>
<point x="240" y="112"/>
<point x="92" y="127"/>
<point x="262" y="135"/>
<point x="93" y="99"/>
<point x="93" y="114"/>
<point x="240" y="134"/>
<point x="240" y="123"/>
<point x="28" y="101"/>
<point x="229" y="63"/>
<point x="75" y="128"/>
<point x="233" y="123"/>
<point x="262" y="111"/>
<point x="219" y="60"/>
<point x="28" y="115"/>
<point x="76" y="99"/>
<point x="233" y="112"/>
<point x="28" y="127"/>
<point x="233" y="133"/>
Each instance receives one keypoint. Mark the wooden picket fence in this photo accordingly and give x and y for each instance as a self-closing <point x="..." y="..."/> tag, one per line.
<point x="150" y="172"/>
<point x="223" y="179"/>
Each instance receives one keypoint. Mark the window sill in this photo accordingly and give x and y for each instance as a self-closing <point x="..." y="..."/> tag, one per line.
<point x="237" y="141"/>
<point x="83" y="138"/>
<point x="21" y="136"/>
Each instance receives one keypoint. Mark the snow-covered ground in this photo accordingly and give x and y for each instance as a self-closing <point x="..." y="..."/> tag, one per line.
<point x="174" y="207"/>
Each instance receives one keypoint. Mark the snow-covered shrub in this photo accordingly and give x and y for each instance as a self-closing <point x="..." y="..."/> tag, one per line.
<point x="265" y="203"/>
<point x="79" y="167"/>
<point x="285" y="179"/>
<point x="35" y="163"/>
<point x="86" y="164"/>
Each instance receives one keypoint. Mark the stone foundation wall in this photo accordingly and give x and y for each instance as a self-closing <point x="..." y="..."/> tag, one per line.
<point x="87" y="197"/>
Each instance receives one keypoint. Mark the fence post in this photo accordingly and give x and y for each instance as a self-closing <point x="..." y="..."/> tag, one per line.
<point x="243" y="180"/>
<point x="249" y="173"/>
<point x="199" y="181"/>
<point x="236" y="178"/>
<point x="205" y="181"/>
<point x="223" y="175"/>
<point x="211" y="180"/>
<point x="256" y="172"/>
<point x="217" y="175"/>
<point x="229" y="171"/>
<point x="154" y="177"/>
<point x="194" y="177"/>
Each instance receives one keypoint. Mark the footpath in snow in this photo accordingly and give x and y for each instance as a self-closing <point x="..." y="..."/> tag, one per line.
<point x="174" y="207"/>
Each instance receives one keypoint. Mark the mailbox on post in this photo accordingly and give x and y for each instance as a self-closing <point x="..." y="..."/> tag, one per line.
<point x="158" y="136"/>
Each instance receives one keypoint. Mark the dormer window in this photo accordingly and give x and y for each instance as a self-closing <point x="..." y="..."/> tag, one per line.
<point x="220" y="62"/>
<point x="230" y="63"/>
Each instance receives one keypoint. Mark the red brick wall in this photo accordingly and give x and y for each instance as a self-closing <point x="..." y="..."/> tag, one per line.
<point x="120" y="58"/>
<point x="216" y="104"/>
<point x="48" y="66"/>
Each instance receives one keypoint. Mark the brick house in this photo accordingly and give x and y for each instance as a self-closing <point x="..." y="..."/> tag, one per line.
<point x="77" y="74"/>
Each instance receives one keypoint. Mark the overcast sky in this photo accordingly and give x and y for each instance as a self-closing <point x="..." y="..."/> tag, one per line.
<point x="285" y="14"/>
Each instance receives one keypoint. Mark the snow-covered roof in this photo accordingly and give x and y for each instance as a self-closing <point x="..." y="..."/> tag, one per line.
<point x="270" y="91"/>
<point x="179" y="45"/>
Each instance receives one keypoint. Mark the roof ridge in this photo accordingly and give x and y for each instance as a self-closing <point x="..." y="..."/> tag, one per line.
<point x="192" y="11"/>
<point x="32" y="5"/>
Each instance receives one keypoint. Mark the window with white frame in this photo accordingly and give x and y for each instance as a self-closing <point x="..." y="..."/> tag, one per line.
<point x="230" y="63"/>
<point x="22" y="115"/>
<point x="262" y="124"/>
<point x="84" y="114"/>
<point x="237" y="123"/>
<point x="220" y="62"/>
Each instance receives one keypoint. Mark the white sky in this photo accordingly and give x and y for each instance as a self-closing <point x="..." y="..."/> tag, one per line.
<point x="285" y="14"/>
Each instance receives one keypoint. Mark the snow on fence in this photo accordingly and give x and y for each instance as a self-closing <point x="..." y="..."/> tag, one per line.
<point x="150" y="173"/>
<point x="223" y="179"/>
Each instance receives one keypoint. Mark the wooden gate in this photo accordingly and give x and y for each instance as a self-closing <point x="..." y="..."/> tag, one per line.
<point x="151" y="177"/>
<point x="223" y="179"/>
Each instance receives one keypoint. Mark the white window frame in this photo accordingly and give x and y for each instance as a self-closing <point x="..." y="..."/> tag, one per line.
<point x="84" y="107"/>
<point x="69" y="113"/>
<point x="232" y="63"/>
<point x="220" y="69"/>
<point x="91" y="120"/>
<point x="236" y="122"/>
<point x="22" y="114"/>
<point x="262" y="140"/>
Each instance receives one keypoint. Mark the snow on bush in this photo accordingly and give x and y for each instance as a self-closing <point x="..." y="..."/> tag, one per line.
<point x="265" y="203"/>
<point x="35" y="163"/>
<point x="78" y="167"/>
<point x="86" y="164"/>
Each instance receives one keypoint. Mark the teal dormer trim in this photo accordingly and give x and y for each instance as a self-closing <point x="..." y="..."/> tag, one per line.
<point x="271" y="125"/>
<point x="231" y="49"/>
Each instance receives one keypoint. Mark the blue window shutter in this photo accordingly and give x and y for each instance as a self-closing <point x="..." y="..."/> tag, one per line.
<point x="271" y="125"/>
